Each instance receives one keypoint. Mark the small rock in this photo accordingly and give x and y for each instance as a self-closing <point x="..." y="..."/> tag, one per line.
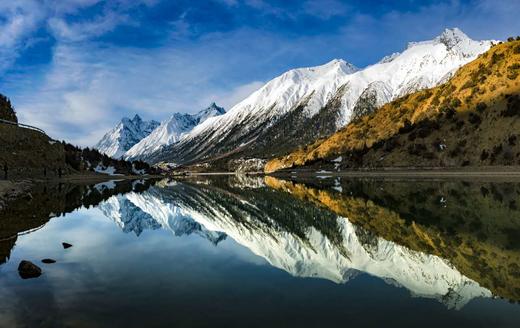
<point x="48" y="261"/>
<point x="28" y="270"/>
<point x="66" y="245"/>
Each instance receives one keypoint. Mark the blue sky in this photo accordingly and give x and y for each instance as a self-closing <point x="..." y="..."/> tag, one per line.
<point x="76" y="67"/>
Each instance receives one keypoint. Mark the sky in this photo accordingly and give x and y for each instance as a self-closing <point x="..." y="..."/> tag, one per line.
<point x="76" y="67"/>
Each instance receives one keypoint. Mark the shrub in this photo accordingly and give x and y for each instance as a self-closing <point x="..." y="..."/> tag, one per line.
<point x="455" y="102"/>
<point x="497" y="150"/>
<point x="469" y="84"/>
<point x="449" y="112"/>
<point x="481" y="107"/>
<point x="513" y="106"/>
<point x="475" y="119"/>
<point x="416" y="149"/>
<point x="484" y="155"/>
<point x="407" y="127"/>
<point x="496" y="57"/>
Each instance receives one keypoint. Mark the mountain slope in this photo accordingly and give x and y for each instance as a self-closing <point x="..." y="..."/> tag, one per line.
<point x="308" y="103"/>
<point x="170" y="131"/>
<point x="127" y="133"/>
<point x="470" y="120"/>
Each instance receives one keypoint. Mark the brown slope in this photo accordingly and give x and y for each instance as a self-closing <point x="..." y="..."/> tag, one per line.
<point x="470" y="120"/>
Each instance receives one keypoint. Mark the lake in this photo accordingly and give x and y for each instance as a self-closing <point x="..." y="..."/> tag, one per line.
<point x="246" y="251"/>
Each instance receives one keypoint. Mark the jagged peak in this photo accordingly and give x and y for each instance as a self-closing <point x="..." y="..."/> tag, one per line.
<point x="451" y="37"/>
<point x="214" y="106"/>
<point x="342" y="64"/>
<point x="135" y="120"/>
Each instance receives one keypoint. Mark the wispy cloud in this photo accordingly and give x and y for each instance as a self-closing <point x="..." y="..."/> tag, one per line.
<point x="102" y="66"/>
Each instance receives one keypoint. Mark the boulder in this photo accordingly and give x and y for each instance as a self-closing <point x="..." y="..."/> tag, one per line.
<point x="28" y="270"/>
<point x="48" y="261"/>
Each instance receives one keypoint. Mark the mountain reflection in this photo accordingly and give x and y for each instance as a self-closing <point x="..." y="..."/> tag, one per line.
<point x="451" y="241"/>
<point x="53" y="200"/>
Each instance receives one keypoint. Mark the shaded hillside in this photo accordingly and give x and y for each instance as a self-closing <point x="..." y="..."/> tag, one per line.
<point x="29" y="153"/>
<point x="473" y="225"/>
<point x="470" y="120"/>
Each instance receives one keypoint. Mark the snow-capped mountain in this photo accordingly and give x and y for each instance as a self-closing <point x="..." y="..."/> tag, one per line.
<point x="170" y="131"/>
<point x="127" y="215"/>
<point x="137" y="212"/>
<point x="214" y="213"/>
<point x="127" y="133"/>
<point x="304" y="104"/>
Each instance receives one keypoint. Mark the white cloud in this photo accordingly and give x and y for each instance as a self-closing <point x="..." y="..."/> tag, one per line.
<point x="88" y="29"/>
<point x="88" y="87"/>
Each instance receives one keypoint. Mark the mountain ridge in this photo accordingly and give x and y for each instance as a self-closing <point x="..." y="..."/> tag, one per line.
<point x="124" y="135"/>
<point x="469" y="120"/>
<point x="171" y="131"/>
<point x="318" y="101"/>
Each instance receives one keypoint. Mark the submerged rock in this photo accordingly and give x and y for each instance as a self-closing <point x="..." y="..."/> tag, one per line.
<point x="48" y="261"/>
<point x="66" y="245"/>
<point x="27" y="270"/>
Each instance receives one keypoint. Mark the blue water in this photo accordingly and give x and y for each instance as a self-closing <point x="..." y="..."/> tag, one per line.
<point x="165" y="277"/>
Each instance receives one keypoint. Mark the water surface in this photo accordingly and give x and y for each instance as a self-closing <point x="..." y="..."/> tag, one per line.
<point x="245" y="251"/>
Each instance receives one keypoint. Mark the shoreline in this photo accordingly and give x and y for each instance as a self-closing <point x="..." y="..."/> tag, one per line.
<point x="11" y="190"/>
<point x="401" y="173"/>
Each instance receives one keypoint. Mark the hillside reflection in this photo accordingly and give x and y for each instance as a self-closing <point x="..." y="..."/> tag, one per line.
<point x="46" y="201"/>
<point x="452" y="241"/>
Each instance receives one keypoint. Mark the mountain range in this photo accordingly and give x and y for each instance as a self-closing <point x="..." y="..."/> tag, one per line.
<point x="306" y="104"/>
<point x="134" y="139"/>
<point x="471" y="120"/>
<point x="128" y="132"/>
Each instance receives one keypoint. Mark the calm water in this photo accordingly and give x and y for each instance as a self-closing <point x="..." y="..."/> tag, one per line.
<point x="255" y="252"/>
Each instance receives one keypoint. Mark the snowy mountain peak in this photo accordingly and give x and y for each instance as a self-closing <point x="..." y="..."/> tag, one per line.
<point x="337" y="87"/>
<point x="170" y="131"/>
<point x="126" y="134"/>
<point x="211" y="111"/>
<point x="451" y="37"/>
<point x="342" y="65"/>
